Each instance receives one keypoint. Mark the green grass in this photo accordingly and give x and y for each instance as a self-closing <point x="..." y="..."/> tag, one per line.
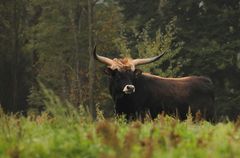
<point x="66" y="132"/>
<point x="75" y="136"/>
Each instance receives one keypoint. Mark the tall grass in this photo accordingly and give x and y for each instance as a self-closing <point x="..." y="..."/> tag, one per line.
<point x="67" y="132"/>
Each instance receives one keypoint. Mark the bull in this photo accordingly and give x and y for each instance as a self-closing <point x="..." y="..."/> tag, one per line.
<point x="135" y="92"/>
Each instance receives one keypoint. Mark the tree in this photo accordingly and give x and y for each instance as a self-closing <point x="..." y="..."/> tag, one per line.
<point x="14" y="62"/>
<point x="59" y="43"/>
<point x="210" y="35"/>
<point x="64" y="34"/>
<point x="91" y="60"/>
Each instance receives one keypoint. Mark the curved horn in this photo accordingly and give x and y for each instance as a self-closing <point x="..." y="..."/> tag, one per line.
<point x="146" y="60"/>
<point x="102" y="59"/>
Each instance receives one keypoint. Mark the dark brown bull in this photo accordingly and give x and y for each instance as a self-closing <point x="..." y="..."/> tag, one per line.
<point x="135" y="92"/>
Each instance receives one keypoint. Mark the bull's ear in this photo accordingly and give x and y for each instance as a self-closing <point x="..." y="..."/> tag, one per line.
<point x="108" y="71"/>
<point x="137" y="72"/>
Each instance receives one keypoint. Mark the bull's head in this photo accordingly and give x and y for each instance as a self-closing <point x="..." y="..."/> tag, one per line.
<point x="123" y="72"/>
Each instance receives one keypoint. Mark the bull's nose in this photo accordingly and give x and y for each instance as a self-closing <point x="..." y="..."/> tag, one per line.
<point x="128" y="89"/>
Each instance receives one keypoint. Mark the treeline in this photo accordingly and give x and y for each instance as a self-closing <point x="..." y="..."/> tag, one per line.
<point x="50" y="42"/>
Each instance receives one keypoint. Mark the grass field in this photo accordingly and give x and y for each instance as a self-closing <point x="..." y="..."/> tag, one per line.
<point x="71" y="133"/>
<point x="76" y="135"/>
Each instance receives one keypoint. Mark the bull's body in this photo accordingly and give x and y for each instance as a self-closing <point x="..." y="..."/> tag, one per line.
<point x="172" y="95"/>
<point x="136" y="93"/>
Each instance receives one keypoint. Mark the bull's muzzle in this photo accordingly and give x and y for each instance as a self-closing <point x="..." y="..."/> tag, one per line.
<point x="129" y="89"/>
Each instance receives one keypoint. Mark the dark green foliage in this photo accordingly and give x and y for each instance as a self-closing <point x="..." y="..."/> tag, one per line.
<point x="15" y="63"/>
<point x="47" y="41"/>
<point x="210" y="32"/>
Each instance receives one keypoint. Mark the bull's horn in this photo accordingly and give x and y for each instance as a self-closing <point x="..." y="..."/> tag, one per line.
<point x="102" y="59"/>
<point x="146" y="60"/>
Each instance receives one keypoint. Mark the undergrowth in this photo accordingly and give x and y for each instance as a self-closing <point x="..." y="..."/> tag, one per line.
<point x="63" y="131"/>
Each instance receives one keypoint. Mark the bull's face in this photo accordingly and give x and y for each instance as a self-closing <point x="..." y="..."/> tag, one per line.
<point x="123" y="82"/>
<point x="122" y="72"/>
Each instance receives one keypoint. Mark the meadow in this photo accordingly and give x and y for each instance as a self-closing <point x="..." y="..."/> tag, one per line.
<point x="64" y="131"/>
<point x="73" y="134"/>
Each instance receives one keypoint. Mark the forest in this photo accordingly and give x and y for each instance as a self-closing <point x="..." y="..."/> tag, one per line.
<point x="49" y="43"/>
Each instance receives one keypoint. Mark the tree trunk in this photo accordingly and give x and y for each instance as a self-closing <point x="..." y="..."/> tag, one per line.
<point x="15" y="56"/>
<point x="91" y="60"/>
<point x="76" y="26"/>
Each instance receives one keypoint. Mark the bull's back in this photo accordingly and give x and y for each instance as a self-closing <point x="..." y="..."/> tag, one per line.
<point x="171" y="94"/>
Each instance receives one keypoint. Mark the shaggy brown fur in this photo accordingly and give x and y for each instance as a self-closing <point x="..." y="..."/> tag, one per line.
<point x="122" y="64"/>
